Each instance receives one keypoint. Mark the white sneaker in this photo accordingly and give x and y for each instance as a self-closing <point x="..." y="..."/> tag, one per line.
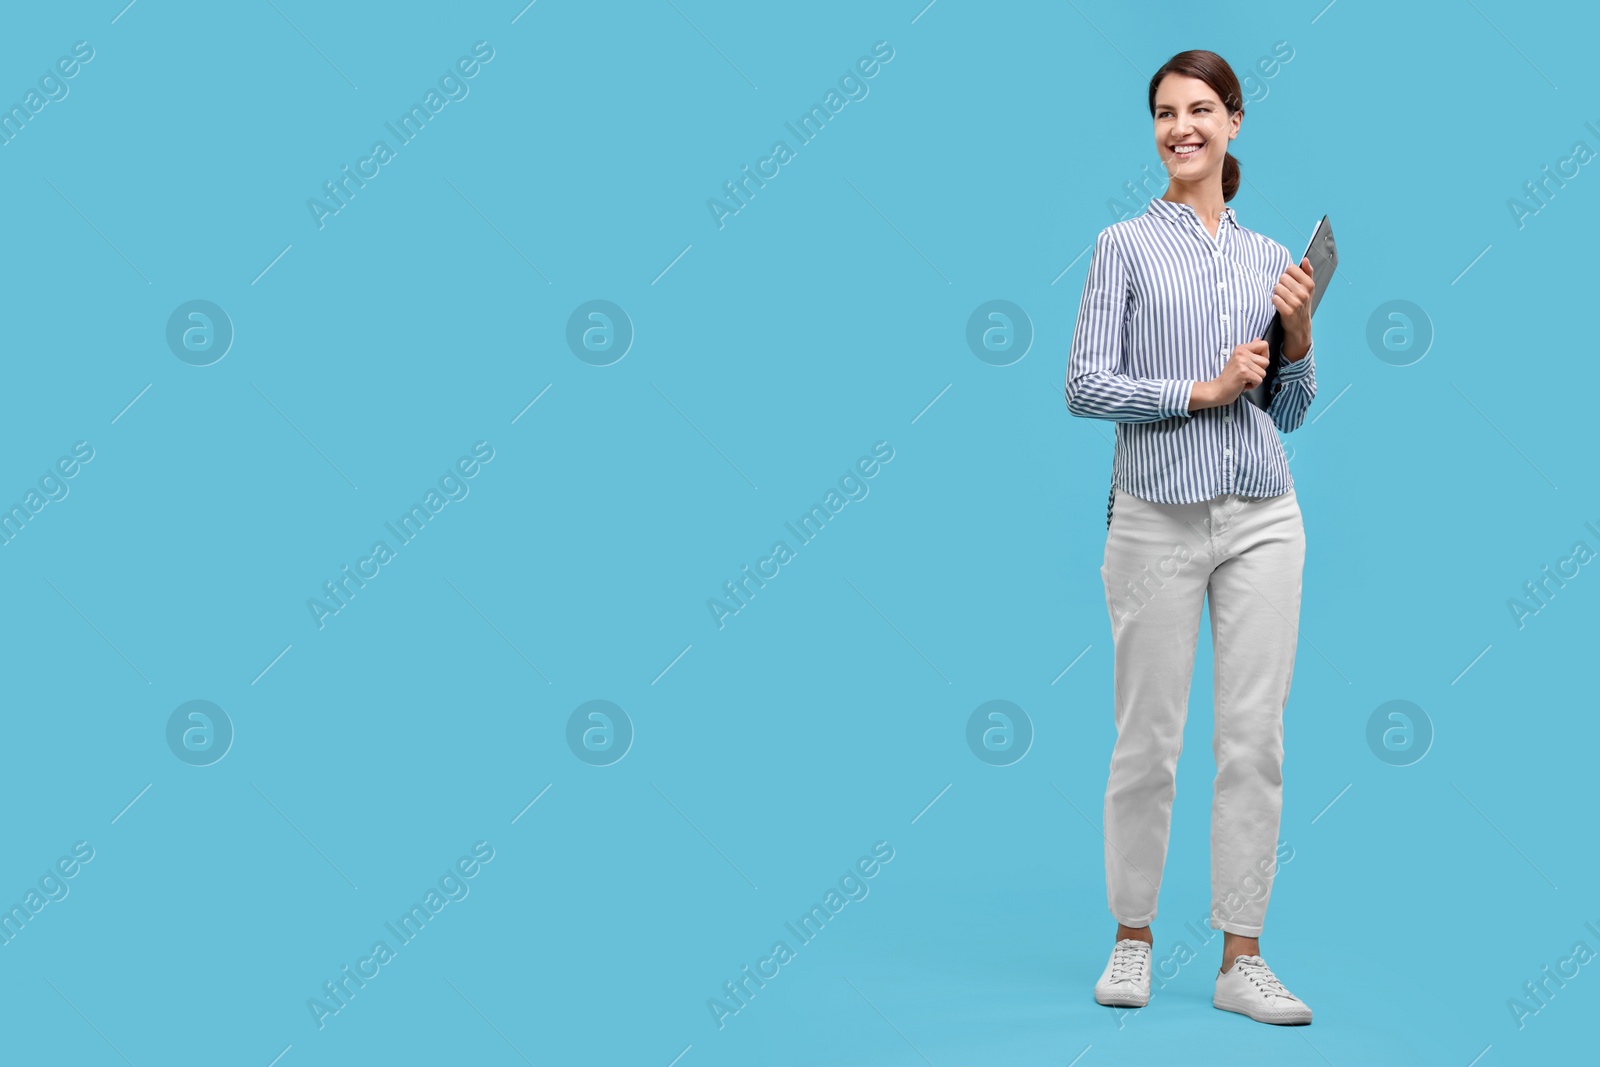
<point x="1250" y="987"/>
<point x="1126" y="980"/>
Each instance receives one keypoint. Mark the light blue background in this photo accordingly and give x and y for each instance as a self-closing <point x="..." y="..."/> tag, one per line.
<point x="774" y="352"/>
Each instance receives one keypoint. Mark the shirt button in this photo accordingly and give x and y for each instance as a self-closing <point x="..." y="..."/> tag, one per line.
<point x="1227" y="451"/>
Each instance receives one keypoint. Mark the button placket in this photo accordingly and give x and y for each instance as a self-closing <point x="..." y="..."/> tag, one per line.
<point x="1217" y="245"/>
<point x="1222" y="285"/>
<point x="1222" y="302"/>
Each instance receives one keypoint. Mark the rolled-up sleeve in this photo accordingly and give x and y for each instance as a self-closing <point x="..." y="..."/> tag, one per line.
<point x="1097" y="388"/>
<point x="1296" y="387"/>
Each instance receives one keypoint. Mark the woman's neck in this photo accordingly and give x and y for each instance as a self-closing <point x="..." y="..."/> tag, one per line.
<point x="1206" y="201"/>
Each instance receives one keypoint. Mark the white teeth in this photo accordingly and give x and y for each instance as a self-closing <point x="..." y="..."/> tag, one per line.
<point x="1186" y="150"/>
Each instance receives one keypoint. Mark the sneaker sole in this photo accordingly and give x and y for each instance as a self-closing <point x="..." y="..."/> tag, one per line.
<point x="1283" y="1018"/>
<point x="1121" y="1000"/>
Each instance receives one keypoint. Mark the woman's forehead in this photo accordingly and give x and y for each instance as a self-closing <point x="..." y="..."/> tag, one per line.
<point x="1181" y="89"/>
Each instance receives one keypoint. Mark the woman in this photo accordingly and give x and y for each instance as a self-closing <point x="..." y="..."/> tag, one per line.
<point x="1202" y="506"/>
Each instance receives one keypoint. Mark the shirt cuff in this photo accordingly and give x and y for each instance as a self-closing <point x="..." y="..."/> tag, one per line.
<point x="1288" y="370"/>
<point x="1175" y="394"/>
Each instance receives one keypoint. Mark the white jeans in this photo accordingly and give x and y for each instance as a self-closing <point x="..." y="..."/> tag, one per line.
<point x="1161" y="563"/>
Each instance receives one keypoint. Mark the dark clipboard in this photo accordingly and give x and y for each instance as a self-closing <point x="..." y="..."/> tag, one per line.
<point x="1324" y="256"/>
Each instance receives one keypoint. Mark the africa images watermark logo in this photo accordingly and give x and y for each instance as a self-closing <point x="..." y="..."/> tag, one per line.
<point x="852" y="487"/>
<point x="337" y="993"/>
<point x="1134" y="596"/>
<point x="452" y="487"/>
<point x="53" y="88"/>
<point x="52" y="888"/>
<point x="52" y="487"/>
<point x="1537" y="593"/>
<point x="852" y="87"/>
<point x="452" y="88"/>
<point x="852" y="887"/>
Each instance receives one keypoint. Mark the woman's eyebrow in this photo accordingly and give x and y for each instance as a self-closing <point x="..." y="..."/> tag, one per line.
<point x="1197" y="103"/>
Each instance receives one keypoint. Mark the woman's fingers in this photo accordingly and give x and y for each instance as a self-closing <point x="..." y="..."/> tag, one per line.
<point x="1301" y="274"/>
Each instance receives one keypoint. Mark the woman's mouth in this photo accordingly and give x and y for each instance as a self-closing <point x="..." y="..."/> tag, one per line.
<point x="1185" y="152"/>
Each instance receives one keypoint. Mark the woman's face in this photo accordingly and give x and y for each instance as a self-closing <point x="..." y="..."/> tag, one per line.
<point x="1192" y="128"/>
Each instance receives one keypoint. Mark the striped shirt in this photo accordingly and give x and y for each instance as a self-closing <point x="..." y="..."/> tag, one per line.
<point x="1163" y="307"/>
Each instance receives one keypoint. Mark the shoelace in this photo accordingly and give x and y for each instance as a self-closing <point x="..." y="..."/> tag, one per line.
<point x="1256" y="969"/>
<point x="1127" y="962"/>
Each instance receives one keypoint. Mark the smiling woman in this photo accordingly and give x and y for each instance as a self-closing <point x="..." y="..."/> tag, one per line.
<point x="1169" y="337"/>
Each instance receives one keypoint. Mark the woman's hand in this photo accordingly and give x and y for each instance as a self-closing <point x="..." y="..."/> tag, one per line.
<point x="1245" y="369"/>
<point x="1292" y="297"/>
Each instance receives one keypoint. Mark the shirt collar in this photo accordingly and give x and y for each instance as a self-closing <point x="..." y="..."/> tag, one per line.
<point x="1181" y="213"/>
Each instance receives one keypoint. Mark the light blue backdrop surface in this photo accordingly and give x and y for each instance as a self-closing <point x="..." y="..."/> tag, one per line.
<point x="1443" y="466"/>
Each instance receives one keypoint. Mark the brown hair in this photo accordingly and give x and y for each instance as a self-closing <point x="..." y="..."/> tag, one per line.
<point x="1215" y="72"/>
